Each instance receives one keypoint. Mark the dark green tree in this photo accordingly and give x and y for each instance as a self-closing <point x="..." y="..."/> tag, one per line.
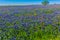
<point x="45" y="2"/>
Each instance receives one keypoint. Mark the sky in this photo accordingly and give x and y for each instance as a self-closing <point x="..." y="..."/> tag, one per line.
<point x="26" y="2"/>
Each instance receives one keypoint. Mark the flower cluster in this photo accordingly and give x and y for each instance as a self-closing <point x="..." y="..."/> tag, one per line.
<point x="36" y="24"/>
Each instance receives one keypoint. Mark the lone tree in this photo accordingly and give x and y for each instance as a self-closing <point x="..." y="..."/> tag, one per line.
<point x="45" y="2"/>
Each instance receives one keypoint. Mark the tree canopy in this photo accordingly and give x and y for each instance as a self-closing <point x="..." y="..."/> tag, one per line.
<point x="45" y="2"/>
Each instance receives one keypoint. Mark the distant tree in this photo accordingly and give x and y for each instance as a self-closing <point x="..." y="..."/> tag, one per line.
<point x="45" y="2"/>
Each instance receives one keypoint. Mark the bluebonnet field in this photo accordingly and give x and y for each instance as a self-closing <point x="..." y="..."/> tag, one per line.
<point x="29" y="23"/>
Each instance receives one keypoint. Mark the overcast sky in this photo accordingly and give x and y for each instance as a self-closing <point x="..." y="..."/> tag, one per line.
<point x="25" y="2"/>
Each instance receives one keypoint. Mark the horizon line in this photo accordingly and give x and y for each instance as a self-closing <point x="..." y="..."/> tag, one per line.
<point x="24" y="4"/>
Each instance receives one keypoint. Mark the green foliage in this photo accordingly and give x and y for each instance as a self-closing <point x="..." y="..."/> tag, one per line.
<point x="8" y="24"/>
<point x="35" y="33"/>
<point x="17" y="14"/>
<point x="45" y="2"/>
<point x="48" y="11"/>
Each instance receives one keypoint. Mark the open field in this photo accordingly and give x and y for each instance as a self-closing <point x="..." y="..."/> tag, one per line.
<point x="34" y="22"/>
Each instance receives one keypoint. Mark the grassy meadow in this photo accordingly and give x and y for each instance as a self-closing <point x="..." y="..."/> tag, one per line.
<point x="29" y="24"/>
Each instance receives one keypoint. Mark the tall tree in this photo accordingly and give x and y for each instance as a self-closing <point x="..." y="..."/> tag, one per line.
<point x="45" y="2"/>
